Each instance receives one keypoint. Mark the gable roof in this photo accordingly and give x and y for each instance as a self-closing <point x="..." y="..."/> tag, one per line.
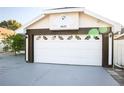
<point x="116" y="26"/>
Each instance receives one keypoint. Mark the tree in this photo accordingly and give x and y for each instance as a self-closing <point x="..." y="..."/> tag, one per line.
<point x="10" y="24"/>
<point x="14" y="43"/>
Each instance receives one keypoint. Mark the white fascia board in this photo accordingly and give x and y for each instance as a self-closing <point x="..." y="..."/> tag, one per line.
<point x="64" y="10"/>
<point x="22" y="29"/>
<point x="34" y="20"/>
<point x="115" y="26"/>
<point x="119" y="36"/>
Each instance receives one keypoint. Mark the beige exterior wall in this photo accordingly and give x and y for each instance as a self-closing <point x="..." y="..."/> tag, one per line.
<point x="64" y="21"/>
<point x="89" y="21"/>
<point x="84" y="21"/>
<point x="41" y="24"/>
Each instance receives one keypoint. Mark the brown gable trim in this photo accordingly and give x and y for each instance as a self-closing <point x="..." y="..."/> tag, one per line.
<point x="105" y="47"/>
<point x="30" y="48"/>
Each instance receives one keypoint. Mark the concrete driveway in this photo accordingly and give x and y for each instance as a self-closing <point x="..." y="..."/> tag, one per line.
<point x="14" y="71"/>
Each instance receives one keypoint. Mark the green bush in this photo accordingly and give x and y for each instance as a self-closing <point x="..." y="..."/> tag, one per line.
<point x="14" y="43"/>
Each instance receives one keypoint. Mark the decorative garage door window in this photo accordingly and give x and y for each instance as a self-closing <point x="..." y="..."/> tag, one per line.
<point x="78" y="37"/>
<point x="70" y="37"/>
<point x="45" y="38"/>
<point x="38" y="37"/>
<point x="94" y="33"/>
<point x="61" y="37"/>
<point x="67" y="37"/>
<point x="53" y="37"/>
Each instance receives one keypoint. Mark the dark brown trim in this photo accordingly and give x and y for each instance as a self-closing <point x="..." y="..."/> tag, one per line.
<point x="33" y="49"/>
<point x="30" y="48"/>
<point x="105" y="50"/>
<point x="62" y="32"/>
<point x="29" y="44"/>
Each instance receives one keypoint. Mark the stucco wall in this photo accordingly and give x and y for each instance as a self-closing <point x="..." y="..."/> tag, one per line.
<point x="84" y="21"/>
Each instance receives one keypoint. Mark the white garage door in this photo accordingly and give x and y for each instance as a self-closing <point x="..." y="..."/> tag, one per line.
<point x="68" y="49"/>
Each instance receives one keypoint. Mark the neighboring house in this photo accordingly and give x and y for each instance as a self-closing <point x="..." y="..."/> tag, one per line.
<point x="119" y="49"/>
<point x="70" y="36"/>
<point x="3" y="34"/>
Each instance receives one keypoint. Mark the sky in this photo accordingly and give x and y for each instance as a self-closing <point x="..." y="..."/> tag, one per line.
<point x="21" y="14"/>
<point x="111" y="9"/>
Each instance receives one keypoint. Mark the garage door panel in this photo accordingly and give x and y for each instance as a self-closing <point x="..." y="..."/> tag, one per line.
<point x="66" y="60"/>
<point x="69" y="61"/>
<point x="76" y="52"/>
<point x="79" y="52"/>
